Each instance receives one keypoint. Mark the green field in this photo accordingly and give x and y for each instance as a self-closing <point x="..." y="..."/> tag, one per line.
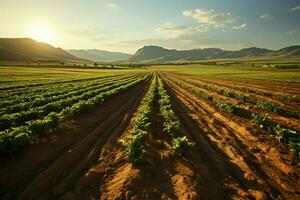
<point x="235" y="71"/>
<point x="173" y="119"/>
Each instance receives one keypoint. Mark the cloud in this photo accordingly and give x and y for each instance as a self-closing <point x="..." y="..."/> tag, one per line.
<point x="237" y="27"/>
<point x="174" y="31"/>
<point x="297" y="8"/>
<point x="292" y="32"/>
<point x="210" y="18"/>
<point x="188" y="13"/>
<point x="112" y="5"/>
<point x="202" y="28"/>
<point x="267" y="17"/>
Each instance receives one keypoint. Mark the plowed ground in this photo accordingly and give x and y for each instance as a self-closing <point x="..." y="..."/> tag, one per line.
<point x="232" y="159"/>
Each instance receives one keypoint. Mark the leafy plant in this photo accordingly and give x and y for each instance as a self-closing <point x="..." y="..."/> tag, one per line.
<point x="224" y="105"/>
<point x="180" y="145"/>
<point x="11" y="140"/>
<point x="268" y="106"/>
<point x="172" y="127"/>
<point x="134" y="146"/>
<point x="286" y="97"/>
<point x="285" y="135"/>
<point x="242" y="97"/>
<point x="261" y="120"/>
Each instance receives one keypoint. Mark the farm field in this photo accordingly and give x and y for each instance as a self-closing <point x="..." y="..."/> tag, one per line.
<point x="162" y="132"/>
<point x="235" y="71"/>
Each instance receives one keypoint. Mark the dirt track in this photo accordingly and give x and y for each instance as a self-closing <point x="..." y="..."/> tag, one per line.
<point x="85" y="160"/>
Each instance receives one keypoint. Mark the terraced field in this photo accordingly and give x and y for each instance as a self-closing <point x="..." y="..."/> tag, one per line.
<point x="148" y="134"/>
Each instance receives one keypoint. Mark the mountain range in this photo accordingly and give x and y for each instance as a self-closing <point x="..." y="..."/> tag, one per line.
<point x="159" y="54"/>
<point x="99" y="55"/>
<point x="26" y="49"/>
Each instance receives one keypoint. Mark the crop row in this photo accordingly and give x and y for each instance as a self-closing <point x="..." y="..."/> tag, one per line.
<point x="283" y="97"/>
<point x="172" y="126"/>
<point x="17" y="119"/>
<point x="14" y="138"/>
<point x="58" y="95"/>
<point x="260" y="103"/>
<point x="215" y="100"/>
<point x="27" y="94"/>
<point x="43" y="83"/>
<point x="286" y="135"/>
<point x="135" y="142"/>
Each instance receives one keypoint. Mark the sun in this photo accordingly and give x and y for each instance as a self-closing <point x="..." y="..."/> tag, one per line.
<point x="41" y="33"/>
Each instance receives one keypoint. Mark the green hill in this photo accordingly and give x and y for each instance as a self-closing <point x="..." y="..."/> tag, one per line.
<point x="26" y="49"/>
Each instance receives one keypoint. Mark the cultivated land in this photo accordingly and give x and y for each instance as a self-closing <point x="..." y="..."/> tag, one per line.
<point x="162" y="132"/>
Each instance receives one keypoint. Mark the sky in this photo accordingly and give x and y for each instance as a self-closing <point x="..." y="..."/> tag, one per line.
<point x="126" y="25"/>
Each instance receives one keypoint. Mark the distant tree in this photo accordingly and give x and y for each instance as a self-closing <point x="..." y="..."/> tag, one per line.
<point x="96" y="64"/>
<point x="62" y="63"/>
<point x="39" y="64"/>
<point x="112" y="66"/>
<point x="74" y="65"/>
<point x="84" y="65"/>
<point x="252" y="64"/>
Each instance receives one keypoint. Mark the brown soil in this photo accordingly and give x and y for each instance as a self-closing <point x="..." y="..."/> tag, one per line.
<point x="84" y="158"/>
<point x="225" y="84"/>
<point x="250" y="107"/>
<point x="267" y="85"/>
<point x="260" y="170"/>
<point x="76" y="141"/>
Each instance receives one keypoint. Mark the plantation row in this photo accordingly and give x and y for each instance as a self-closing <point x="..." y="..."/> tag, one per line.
<point x="284" y="97"/>
<point x="134" y="145"/>
<point x="230" y="107"/>
<point x="285" y="135"/>
<point x="43" y="83"/>
<point x="275" y="108"/>
<point x="171" y="125"/>
<point x="22" y="93"/>
<point x="24" y="128"/>
<point x="16" y="119"/>
<point x="46" y="98"/>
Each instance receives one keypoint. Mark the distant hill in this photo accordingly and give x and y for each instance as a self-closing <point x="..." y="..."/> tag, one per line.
<point x="160" y="54"/>
<point x="99" y="55"/>
<point x="291" y="51"/>
<point x="26" y="49"/>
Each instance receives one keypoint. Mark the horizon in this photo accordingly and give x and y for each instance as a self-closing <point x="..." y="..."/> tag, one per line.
<point x="126" y="26"/>
<point x="150" y="45"/>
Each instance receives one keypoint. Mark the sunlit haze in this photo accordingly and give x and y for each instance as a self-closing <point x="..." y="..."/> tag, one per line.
<point x="126" y="25"/>
<point x="41" y="33"/>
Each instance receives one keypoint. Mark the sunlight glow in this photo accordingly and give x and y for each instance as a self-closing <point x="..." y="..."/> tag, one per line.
<point x="41" y="33"/>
